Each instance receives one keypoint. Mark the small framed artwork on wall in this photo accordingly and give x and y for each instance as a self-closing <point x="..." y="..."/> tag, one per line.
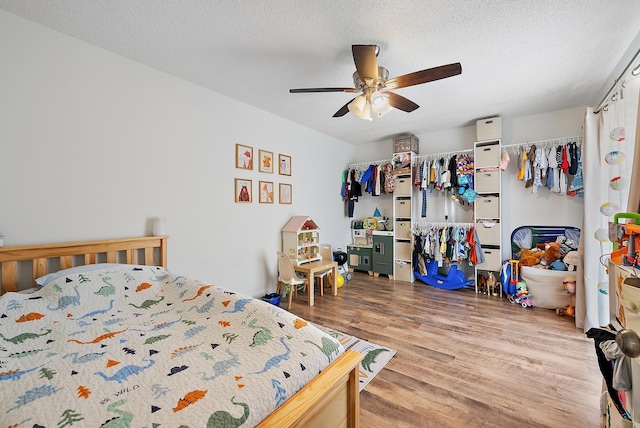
<point x="286" y="191"/>
<point x="266" y="192"/>
<point x="284" y="164"/>
<point x="244" y="157"/>
<point x="266" y="161"/>
<point x="243" y="191"/>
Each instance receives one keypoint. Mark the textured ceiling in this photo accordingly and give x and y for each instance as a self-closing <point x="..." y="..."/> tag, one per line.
<point x="518" y="57"/>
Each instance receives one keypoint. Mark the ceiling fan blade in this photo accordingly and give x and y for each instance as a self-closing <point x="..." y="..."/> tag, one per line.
<point x="424" y="76"/>
<point x="343" y="110"/>
<point x="364" y="57"/>
<point x="306" y="90"/>
<point x="401" y="103"/>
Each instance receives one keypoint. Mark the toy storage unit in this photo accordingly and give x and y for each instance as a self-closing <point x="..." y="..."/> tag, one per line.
<point x="301" y="239"/>
<point x="545" y="285"/>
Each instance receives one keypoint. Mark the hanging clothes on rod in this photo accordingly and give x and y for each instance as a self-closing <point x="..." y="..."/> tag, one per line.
<point x="443" y="241"/>
<point x="374" y="178"/>
<point x="552" y="164"/>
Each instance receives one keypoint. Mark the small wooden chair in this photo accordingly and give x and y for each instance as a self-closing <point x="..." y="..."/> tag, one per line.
<point x="326" y="254"/>
<point x="288" y="281"/>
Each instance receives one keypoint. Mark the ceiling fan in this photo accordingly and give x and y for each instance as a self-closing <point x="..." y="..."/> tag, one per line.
<point x="374" y="84"/>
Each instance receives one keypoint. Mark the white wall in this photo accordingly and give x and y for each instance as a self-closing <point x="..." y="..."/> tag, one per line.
<point x="94" y="145"/>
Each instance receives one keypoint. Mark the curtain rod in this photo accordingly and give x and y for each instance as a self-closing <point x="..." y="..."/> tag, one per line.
<point x="599" y="107"/>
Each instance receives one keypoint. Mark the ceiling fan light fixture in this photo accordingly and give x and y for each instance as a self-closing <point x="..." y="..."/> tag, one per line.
<point x="380" y="103"/>
<point x="356" y="106"/>
<point x="366" y="112"/>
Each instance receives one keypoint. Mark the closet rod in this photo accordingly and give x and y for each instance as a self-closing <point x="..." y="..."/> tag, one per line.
<point x="425" y="225"/>
<point x="600" y="106"/>
<point x="367" y="163"/>
<point x="435" y="155"/>
<point x="576" y="139"/>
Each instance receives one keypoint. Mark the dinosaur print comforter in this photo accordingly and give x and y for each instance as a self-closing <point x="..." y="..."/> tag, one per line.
<point x="138" y="346"/>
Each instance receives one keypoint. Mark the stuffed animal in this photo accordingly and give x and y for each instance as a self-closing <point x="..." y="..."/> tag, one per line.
<point x="569" y="284"/>
<point x="551" y="253"/>
<point x="571" y="259"/>
<point x="530" y="257"/>
<point x="491" y="284"/>
<point x="522" y="296"/>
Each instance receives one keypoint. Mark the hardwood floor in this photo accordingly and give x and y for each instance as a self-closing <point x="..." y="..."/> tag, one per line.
<point x="464" y="359"/>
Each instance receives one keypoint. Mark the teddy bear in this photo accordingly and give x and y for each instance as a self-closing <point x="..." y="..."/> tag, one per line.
<point x="530" y="257"/>
<point x="551" y="253"/>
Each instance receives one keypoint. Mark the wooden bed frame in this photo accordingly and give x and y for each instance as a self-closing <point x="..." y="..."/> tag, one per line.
<point x="330" y="400"/>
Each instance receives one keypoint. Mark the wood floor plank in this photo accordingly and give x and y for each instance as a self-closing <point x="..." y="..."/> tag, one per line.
<point x="464" y="359"/>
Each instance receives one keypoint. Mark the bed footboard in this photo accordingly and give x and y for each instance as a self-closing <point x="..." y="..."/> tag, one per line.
<point x="330" y="400"/>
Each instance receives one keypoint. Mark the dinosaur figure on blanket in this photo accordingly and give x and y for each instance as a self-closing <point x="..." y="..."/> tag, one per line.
<point x="65" y="301"/>
<point x="25" y="336"/>
<point x="148" y="303"/>
<point x="222" y="367"/>
<point x="276" y="359"/>
<point x="122" y="374"/>
<point x="262" y="336"/>
<point x="328" y="348"/>
<point x="122" y="421"/>
<point x="223" y="419"/>
<point x="106" y="290"/>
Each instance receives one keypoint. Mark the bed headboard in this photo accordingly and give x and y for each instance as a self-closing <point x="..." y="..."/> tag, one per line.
<point x="139" y="250"/>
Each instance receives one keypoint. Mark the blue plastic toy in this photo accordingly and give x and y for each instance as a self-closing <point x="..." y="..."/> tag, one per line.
<point x="453" y="280"/>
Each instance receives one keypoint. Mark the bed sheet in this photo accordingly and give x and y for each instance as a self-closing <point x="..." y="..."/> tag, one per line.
<point x="141" y="346"/>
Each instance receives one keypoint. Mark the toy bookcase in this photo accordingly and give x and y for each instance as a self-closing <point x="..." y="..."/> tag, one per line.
<point x="301" y="240"/>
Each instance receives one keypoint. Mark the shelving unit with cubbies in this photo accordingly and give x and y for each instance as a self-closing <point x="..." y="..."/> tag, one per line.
<point x="487" y="183"/>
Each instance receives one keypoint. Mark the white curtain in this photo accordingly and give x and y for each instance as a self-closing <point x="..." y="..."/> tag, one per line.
<point x="607" y="162"/>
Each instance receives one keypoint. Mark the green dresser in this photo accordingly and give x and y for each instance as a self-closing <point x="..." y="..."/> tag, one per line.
<point x="383" y="253"/>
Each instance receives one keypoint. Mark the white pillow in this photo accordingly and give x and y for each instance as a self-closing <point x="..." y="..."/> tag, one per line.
<point x="44" y="280"/>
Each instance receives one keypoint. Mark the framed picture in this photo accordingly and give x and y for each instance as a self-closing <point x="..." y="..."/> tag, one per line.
<point x="284" y="164"/>
<point x="265" y="160"/>
<point x="266" y="192"/>
<point x="243" y="191"/>
<point x="244" y="157"/>
<point x="285" y="193"/>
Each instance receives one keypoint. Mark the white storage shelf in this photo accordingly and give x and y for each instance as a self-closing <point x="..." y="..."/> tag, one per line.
<point x="402" y="213"/>
<point x="487" y="183"/>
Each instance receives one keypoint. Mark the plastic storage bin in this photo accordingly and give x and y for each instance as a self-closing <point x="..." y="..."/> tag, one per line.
<point x="273" y="298"/>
